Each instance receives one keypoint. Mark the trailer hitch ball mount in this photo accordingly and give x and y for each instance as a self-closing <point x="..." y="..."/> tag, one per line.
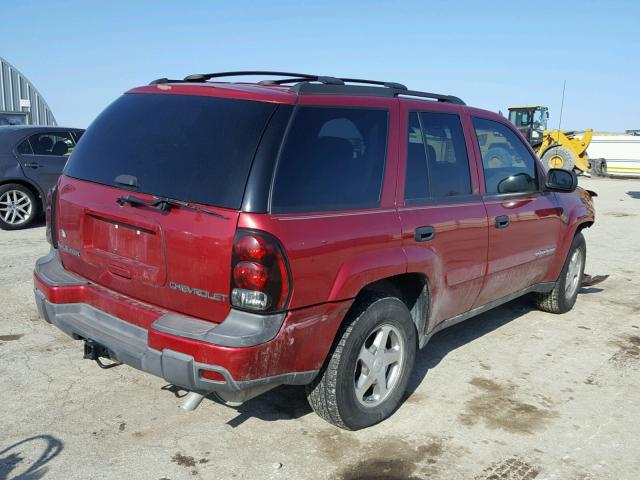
<point x="94" y="351"/>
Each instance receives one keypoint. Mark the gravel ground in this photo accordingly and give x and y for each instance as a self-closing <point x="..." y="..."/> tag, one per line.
<point x="514" y="394"/>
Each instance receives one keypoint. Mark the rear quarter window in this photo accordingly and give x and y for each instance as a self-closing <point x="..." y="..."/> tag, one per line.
<point x="333" y="159"/>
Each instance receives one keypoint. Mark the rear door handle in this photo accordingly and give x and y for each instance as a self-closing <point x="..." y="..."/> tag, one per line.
<point x="32" y="165"/>
<point x="502" y="221"/>
<point x="424" y="234"/>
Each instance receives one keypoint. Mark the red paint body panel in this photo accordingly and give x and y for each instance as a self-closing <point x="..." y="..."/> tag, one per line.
<point x="141" y="251"/>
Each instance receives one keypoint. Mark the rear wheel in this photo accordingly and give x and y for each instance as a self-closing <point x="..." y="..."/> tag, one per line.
<point x="18" y="206"/>
<point x="563" y="296"/>
<point x="368" y="369"/>
<point x="559" y="157"/>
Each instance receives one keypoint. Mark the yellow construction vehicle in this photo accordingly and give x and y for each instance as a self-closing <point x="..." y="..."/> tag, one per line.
<point x="556" y="149"/>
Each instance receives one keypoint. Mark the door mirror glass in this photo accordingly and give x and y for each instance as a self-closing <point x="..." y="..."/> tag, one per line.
<point x="561" y="180"/>
<point x="520" y="182"/>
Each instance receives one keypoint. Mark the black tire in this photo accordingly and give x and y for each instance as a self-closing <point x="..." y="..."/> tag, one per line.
<point x="562" y="299"/>
<point x="568" y="159"/>
<point x="599" y="167"/>
<point x="28" y="204"/>
<point x="332" y="394"/>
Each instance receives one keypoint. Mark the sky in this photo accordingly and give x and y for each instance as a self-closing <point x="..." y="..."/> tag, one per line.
<point x="81" y="55"/>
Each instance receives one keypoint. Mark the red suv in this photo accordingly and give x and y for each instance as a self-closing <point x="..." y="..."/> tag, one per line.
<point x="309" y="230"/>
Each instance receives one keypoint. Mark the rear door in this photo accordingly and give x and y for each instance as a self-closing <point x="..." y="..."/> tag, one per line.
<point x="444" y="223"/>
<point x="44" y="155"/>
<point x="525" y="222"/>
<point x="194" y="149"/>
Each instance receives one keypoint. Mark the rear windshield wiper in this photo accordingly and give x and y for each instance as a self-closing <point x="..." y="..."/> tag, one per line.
<point x="165" y="204"/>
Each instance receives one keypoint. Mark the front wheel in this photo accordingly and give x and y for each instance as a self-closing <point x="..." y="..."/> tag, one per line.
<point x="564" y="294"/>
<point x="367" y="372"/>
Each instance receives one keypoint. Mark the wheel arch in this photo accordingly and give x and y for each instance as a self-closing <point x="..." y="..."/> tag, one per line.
<point x="413" y="289"/>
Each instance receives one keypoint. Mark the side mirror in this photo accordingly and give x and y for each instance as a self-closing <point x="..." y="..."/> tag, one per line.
<point x="518" y="183"/>
<point x="561" y="180"/>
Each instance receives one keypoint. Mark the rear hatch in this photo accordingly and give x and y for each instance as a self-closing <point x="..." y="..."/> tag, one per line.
<point x="150" y="198"/>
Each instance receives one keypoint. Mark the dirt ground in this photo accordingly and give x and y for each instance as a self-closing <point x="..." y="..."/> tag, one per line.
<point x="514" y="394"/>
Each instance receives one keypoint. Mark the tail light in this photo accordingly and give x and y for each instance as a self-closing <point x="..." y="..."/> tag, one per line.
<point x="50" y="214"/>
<point x="259" y="272"/>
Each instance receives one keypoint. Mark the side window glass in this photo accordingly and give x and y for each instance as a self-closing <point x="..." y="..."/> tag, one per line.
<point x="416" y="186"/>
<point x="24" y="148"/>
<point x="437" y="161"/>
<point x="59" y="144"/>
<point x="446" y="154"/>
<point x="508" y="165"/>
<point x="332" y="159"/>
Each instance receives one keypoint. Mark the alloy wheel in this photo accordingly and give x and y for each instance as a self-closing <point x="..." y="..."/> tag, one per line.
<point x="15" y="207"/>
<point x="379" y="365"/>
<point x="572" y="282"/>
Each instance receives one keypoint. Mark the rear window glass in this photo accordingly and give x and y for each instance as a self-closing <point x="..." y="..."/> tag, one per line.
<point x="190" y="148"/>
<point x="333" y="159"/>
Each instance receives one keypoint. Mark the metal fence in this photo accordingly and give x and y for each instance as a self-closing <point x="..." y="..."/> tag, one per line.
<point x="20" y="102"/>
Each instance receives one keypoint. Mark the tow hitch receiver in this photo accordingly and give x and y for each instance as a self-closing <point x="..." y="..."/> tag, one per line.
<point x="95" y="351"/>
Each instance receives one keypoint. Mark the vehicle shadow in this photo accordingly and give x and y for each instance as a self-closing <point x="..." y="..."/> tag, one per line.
<point x="287" y="402"/>
<point x="634" y="194"/>
<point x="454" y="337"/>
<point x="12" y="458"/>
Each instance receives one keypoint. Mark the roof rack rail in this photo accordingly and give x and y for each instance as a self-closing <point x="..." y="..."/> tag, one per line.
<point x="203" y="77"/>
<point x="320" y="84"/>
<point x="311" y="78"/>
<point x="296" y="77"/>
<point x="306" y="88"/>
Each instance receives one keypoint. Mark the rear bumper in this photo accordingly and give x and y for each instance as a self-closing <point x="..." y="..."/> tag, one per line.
<point x="127" y="343"/>
<point x="180" y="349"/>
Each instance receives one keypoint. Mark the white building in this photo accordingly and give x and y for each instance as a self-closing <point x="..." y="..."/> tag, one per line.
<point x="20" y="102"/>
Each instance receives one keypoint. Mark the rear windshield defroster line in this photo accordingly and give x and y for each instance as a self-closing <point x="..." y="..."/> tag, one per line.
<point x="190" y="148"/>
